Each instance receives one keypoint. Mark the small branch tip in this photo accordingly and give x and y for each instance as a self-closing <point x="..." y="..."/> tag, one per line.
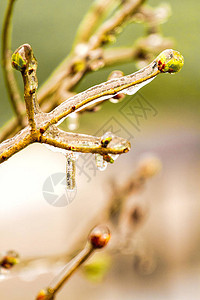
<point x="99" y="237"/>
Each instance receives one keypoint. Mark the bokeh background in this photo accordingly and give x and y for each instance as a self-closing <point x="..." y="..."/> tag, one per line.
<point x="171" y="233"/>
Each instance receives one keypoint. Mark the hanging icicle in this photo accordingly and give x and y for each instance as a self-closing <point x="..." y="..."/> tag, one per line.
<point x="100" y="162"/>
<point x="71" y="170"/>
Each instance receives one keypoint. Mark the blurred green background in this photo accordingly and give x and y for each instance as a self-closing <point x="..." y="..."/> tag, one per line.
<point x="51" y="33"/>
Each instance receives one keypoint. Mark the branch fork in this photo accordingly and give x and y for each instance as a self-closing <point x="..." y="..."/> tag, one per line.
<point x="43" y="128"/>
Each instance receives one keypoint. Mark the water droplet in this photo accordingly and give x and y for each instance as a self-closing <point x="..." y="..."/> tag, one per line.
<point x="113" y="100"/>
<point x="115" y="74"/>
<point x="73" y="121"/>
<point x="100" y="162"/>
<point x="71" y="170"/>
<point x="117" y="98"/>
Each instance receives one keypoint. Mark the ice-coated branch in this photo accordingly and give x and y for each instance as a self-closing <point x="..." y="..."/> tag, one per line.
<point x="114" y="25"/>
<point x="24" y="61"/>
<point x="98" y="238"/>
<point x="82" y="143"/>
<point x="88" y="54"/>
<point x="40" y="127"/>
<point x="169" y="61"/>
<point x="98" y="10"/>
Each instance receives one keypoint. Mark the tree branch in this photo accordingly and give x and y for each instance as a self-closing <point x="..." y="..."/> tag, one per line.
<point x="24" y="61"/>
<point x="114" y="25"/>
<point x="169" y="61"/>
<point x="85" y="57"/>
<point x="82" y="143"/>
<point x="9" y="77"/>
<point x="98" y="238"/>
<point x="112" y="212"/>
<point x="94" y="16"/>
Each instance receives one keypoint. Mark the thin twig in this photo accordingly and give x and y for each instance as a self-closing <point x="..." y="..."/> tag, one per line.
<point x="115" y="24"/>
<point x="93" y="18"/>
<point x="9" y="77"/>
<point x="98" y="238"/>
<point x="24" y="61"/>
<point x="111" y="211"/>
<point x="64" y="71"/>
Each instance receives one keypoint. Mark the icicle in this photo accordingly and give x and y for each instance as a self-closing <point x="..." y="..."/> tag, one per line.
<point x="71" y="170"/>
<point x="73" y="121"/>
<point x="100" y="162"/>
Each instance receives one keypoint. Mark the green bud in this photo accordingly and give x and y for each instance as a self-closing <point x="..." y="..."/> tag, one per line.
<point x="170" y="61"/>
<point x="18" y="62"/>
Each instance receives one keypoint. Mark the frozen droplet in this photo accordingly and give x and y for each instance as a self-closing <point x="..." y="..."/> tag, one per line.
<point x="113" y="100"/>
<point x="118" y="98"/>
<point x="73" y="121"/>
<point x="100" y="162"/>
<point x="71" y="170"/>
<point x="115" y="74"/>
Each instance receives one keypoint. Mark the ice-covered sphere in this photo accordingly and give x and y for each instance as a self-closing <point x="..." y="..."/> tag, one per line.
<point x="170" y="61"/>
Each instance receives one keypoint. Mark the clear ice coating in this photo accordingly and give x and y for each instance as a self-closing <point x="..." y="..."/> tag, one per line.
<point x="71" y="170"/>
<point x="106" y="138"/>
<point x="55" y="149"/>
<point x="73" y="121"/>
<point x="114" y="156"/>
<point x="133" y="89"/>
<point x="100" y="162"/>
